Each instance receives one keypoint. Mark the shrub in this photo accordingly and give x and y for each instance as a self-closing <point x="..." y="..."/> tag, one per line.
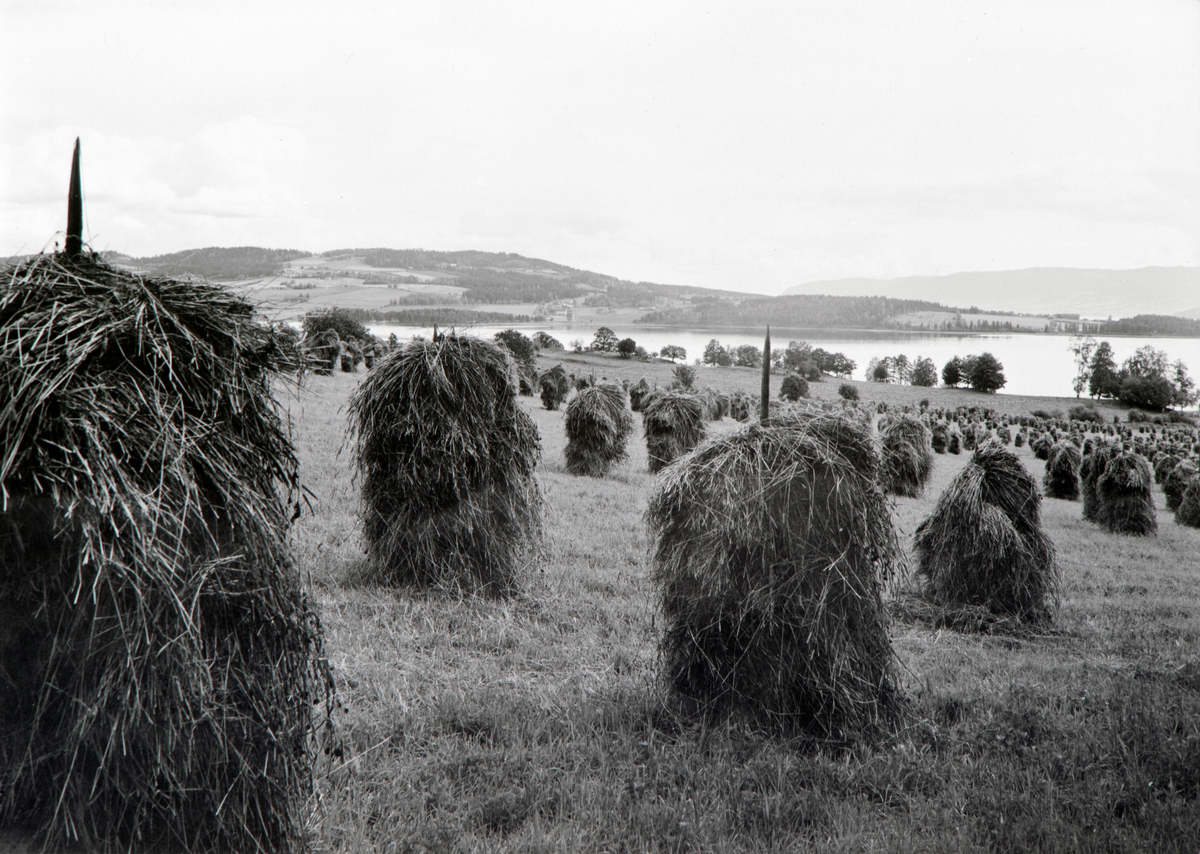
<point x="848" y="391"/>
<point x="793" y="387"/>
<point x="1085" y="413"/>
<point x="685" y="376"/>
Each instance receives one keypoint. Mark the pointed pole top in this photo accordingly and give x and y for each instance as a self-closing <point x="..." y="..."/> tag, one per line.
<point x="74" y="243"/>
<point x="765" y="392"/>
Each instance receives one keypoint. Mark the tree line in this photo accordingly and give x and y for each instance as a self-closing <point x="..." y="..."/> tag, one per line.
<point x="1147" y="379"/>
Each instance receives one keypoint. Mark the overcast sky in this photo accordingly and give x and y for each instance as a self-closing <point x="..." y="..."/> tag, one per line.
<point x="736" y="145"/>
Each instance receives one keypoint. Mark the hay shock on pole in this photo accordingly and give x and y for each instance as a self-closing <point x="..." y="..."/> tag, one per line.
<point x="765" y="390"/>
<point x="74" y="243"/>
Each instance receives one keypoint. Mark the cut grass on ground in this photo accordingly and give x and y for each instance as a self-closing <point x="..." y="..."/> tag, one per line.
<point x="536" y="724"/>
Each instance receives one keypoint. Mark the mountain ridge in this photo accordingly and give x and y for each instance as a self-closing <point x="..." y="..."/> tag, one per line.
<point x="1090" y="292"/>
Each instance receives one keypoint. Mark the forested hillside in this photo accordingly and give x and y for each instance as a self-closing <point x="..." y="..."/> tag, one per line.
<point x="215" y="262"/>
<point x="800" y="310"/>
<point x="1152" y="324"/>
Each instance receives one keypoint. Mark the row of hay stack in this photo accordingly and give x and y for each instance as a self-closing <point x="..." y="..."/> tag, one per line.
<point x="161" y="663"/>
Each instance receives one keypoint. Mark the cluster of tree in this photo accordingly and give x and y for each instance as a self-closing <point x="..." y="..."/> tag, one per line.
<point x="1146" y="379"/>
<point x="606" y="341"/>
<point x="216" y="262"/>
<point x="813" y="311"/>
<point x="1153" y="324"/>
<point x="900" y="371"/>
<point x="798" y="357"/>
<point x="982" y="373"/>
<point x="341" y="321"/>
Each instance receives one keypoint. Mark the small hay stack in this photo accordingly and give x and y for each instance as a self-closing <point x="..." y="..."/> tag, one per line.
<point x="638" y="393"/>
<point x="324" y="352"/>
<point x="598" y="429"/>
<point x="1062" y="472"/>
<point x="446" y="459"/>
<point x="673" y="424"/>
<point x="1181" y="474"/>
<point x="983" y="545"/>
<point x="160" y="660"/>
<point x="770" y="548"/>
<point x="1089" y="474"/>
<point x="1188" y="512"/>
<point x="1125" y="490"/>
<point x="907" y="457"/>
<point x="554" y="387"/>
<point x="938" y="437"/>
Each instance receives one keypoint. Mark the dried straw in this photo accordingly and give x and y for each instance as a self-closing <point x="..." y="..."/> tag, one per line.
<point x="983" y="545"/>
<point x="446" y="456"/>
<point x="598" y="428"/>
<point x="161" y="660"/>
<point x="770" y="545"/>
<point x="907" y="457"/>
<point x="673" y="424"/>
<point x="1126" y="495"/>
<point x="1062" y="471"/>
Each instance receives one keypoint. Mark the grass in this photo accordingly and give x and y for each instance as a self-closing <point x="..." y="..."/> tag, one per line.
<point x="536" y="724"/>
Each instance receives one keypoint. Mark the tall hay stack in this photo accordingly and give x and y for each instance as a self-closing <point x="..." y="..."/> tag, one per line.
<point x="1125" y="490"/>
<point x="769" y="545"/>
<point x="554" y="387"/>
<point x="983" y="545"/>
<point x="598" y="429"/>
<point x="1062" y="472"/>
<point x="1090" y="469"/>
<point x="161" y="660"/>
<point x="907" y="457"/>
<point x="446" y="457"/>
<point x="938" y="437"/>
<point x="638" y="393"/>
<point x="673" y="424"/>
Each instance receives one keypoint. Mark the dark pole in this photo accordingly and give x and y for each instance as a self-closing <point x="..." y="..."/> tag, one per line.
<point x="765" y="393"/>
<point x="74" y="244"/>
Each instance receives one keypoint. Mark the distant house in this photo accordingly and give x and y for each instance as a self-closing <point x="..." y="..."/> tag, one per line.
<point x="1072" y="323"/>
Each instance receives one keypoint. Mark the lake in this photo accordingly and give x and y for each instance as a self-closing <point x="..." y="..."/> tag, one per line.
<point x="1034" y="364"/>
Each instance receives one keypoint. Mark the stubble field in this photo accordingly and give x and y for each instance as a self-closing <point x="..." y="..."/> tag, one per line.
<point x="537" y="723"/>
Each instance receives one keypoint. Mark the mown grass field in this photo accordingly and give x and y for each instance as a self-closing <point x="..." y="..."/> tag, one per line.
<point x="537" y="724"/>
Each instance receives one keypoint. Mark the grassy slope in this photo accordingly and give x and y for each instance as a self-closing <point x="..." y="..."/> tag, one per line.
<point x="536" y="724"/>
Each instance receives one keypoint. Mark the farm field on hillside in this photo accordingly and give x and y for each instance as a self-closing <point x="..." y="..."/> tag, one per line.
<point x="537" y="724"/>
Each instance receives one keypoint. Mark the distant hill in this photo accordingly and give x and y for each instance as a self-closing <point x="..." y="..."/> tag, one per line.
<point x="215" y="262"/>
<point x="1038" y="290"/>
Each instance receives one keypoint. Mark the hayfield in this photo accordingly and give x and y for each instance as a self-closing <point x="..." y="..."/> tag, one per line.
<point x="537" y="723"/>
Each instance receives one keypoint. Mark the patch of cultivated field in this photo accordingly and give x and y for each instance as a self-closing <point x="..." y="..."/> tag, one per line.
<point x="537" y="724"/>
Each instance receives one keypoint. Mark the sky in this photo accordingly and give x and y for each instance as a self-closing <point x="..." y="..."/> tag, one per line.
<point x="741" y="145"/>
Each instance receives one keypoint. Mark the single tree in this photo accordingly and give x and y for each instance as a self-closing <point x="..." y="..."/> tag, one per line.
<point x="924" y="373"/>
<point x="605" y="340"/>
<point x="715" y="354"/>
<point x="952" y="373"/>
<point x="748" y="356"/>
<point x="673" y="352"/>
<point x="1082" y="346"/>
<point x="987" y="374"/>
<point x="518" y="345"/>
<point x="626" y="347"/>
<point x="1103" y="380"/>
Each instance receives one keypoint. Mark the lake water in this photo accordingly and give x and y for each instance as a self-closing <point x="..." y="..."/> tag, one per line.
<point x="1034" y="364"/>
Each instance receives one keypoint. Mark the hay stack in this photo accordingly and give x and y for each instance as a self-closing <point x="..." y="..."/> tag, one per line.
<point x="954" y="441"/>
<point x="324" y="352"/>
<point x="160" y="661"/>
<point x="740" y="406"/>
<point x="1062" y="472"/>
<point x="598" y="429"/>
<point x="1125" y="490"/>
<point x="938" y="437"/>
<point x="769" y="545"/>
<point x="638" y="394"/>
<point x="1176" y="482"/>
<point x="1090" y="469"/>
<point x="793" y="387"/>
<point x="673" y="424"/>
<point x="446" y="456"/>
<point x="1188" y="512"/>
<point x="555" y="386"/>
<point x="983" y="545"/>
<point x="907" y="458"/>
